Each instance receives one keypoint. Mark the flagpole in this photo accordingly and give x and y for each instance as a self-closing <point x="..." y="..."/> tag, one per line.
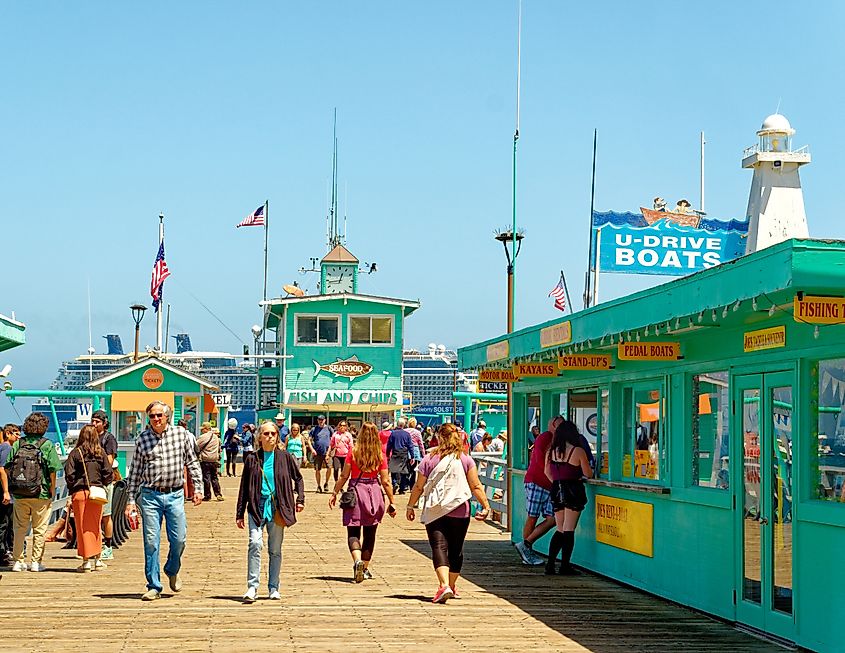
<point x="161" y="287"/>
<point x="266" y="232"/>
<point x="566" y="290"/>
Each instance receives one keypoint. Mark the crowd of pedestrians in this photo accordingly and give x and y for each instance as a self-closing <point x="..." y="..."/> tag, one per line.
<point x="374" y="466"/>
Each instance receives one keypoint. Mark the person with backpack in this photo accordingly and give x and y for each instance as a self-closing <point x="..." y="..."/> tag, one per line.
<point x="29" y="476"/>
<point x="446" y="479"/>
<point x="231" y="443"/>
<point x="88" y="468"/>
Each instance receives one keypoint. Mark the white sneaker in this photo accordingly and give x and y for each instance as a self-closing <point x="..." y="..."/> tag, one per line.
<point x="249" y="597"/>
<point x="524" y="553"/>
<point x="19" y="566"/>
<point x="85" y="567"/>
<point x="99" y="565"/>
<point x="275" y="596"/>
<point x="36" y="566"/>
<point x="150" y="595"/>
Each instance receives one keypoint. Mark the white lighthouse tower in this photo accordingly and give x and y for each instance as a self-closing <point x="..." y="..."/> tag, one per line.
<point x="776" y="202"/>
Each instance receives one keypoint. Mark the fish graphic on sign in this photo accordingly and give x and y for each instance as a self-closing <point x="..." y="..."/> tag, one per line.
<point x="351" y="368"/>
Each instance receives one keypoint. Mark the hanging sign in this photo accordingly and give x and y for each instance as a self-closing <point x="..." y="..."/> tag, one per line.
<point x="625" y="524"/>
<point x="350" y="397"/>
<point x="764" y="339"/>
<point x="819" y="310"/>
<point x="557" y="334"/>
<point x="222" y="399"/>
<point x="493" y="387"/>
<point x="664" y="242"/>
<point x="585" y="362"/>
<point x="497" y="376"/>
<point x="649" y="351"/>
<point x="535" y="370"/>
<point x="497" y="351"/>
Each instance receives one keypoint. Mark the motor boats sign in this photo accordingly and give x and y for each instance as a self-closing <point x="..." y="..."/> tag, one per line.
<point x="655" y="242"/>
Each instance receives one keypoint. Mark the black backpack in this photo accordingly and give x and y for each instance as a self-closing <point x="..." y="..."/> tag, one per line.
<point x="26" y="473"/>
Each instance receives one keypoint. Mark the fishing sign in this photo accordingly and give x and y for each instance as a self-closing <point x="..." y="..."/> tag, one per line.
<point x="661" y="242"/>
<point x="350" y="368"/>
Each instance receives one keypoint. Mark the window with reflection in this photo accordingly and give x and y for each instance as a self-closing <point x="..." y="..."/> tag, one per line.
<point x="710" y="430"/>
<point x="828" y="455"/>
<point x="644" y="411"/>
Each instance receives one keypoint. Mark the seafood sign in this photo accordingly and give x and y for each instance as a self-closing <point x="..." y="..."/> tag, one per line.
<point x="351" y="368"/>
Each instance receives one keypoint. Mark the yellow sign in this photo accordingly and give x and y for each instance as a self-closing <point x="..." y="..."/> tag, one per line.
<point x="522" y="370"/>
<point x="625" y="524"/>
<point x="764" y="339"/>
<point x="557" y="334"/>
<point x="649" y="351"/>
<point x="604" y="464"/>
<point x="627" y="468"/>
<point x="819" y="310"/>
<point x="585" y="362"/>
<point x="497" y="351"/>
<point x="497" y="376"/>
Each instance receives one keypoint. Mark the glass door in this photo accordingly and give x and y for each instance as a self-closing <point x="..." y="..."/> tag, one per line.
<point x="763" y="419"/>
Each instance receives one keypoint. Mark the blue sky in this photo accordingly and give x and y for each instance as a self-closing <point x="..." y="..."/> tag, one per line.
<point x="113" y="113"/>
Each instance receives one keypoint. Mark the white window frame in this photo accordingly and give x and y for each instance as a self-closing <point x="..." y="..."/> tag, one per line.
<point x="392" y="319"/>
<point x="336" y="316"/>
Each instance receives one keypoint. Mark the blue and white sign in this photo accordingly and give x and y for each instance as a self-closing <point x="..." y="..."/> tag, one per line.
<point x="666" y="244"/>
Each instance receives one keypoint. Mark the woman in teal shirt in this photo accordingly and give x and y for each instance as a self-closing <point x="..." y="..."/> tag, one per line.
<point x="268" y="483"/>
<point x="295" y="444"/>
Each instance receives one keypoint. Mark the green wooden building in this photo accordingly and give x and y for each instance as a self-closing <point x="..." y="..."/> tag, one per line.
<point x="338" y="353"/>
<point x="714" y="403"/>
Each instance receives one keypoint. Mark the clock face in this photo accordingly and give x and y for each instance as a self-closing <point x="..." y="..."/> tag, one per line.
<point x="338" y="278"/>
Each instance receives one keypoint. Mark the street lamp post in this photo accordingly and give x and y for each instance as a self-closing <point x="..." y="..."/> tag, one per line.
<point x="137" y="315"/>
<point x="256" y="334"/>
<point x="511" y="236"/>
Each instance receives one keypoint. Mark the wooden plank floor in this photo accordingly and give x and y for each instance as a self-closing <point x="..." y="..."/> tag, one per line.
<point x="505" y="606"/>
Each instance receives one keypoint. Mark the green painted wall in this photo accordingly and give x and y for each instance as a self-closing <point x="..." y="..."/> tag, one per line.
<point x="172" y="382"/>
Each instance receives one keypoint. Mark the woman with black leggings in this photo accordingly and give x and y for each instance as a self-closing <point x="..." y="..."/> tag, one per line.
<point x="446" y="479"/>
<point x="366" y="466"/>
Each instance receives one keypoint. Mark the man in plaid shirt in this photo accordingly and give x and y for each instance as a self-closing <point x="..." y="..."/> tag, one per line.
<point x="156" y="479"/>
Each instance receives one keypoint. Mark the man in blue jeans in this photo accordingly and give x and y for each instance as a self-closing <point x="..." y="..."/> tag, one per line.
<point x="156" y="478"/>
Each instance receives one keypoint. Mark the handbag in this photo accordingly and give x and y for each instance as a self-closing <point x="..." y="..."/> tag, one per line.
<point x="96" y="494"/>
<point x="349" y="497"/>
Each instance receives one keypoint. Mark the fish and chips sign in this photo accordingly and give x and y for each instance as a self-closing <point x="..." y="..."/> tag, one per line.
<point x="662" y="242"/>
<point x="811" y="309"/>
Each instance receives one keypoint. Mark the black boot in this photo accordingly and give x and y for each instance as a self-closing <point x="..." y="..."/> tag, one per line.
<point x="567" y="544"/>
<point x="554" y="548"/>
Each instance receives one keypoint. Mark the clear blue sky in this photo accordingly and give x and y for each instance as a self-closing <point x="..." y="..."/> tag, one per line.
<point x="114" y="112"/>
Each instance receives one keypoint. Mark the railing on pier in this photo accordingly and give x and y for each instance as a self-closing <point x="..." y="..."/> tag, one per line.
<point x="492" y="472"/>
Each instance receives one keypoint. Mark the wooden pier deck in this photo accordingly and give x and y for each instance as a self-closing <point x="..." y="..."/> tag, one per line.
<point x="506" y="606"/>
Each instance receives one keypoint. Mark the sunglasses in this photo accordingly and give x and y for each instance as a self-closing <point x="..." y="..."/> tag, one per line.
<point x="156" y="415"/>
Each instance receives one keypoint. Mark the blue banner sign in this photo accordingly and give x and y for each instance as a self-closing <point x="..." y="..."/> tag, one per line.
<point x="660" y="242"/>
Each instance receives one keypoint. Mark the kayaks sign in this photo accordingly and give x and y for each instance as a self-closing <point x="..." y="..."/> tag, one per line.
<point x="534" y="370"/>
<point x="656" y="242"/>
<point x="350" y="368"/>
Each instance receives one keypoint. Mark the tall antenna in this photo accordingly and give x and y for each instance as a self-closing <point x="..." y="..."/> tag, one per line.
<point x="334" y="232"/>
<point x="512" y="312"/>
<point x="345" y="206"/>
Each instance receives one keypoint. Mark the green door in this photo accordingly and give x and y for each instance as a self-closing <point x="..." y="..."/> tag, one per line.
<point x="763" y="418"/>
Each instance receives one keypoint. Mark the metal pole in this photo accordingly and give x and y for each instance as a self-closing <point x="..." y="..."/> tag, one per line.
<point x="592" y="210"/>
<point x="266" y="232"/>
<point x="167" y="329"/>
<point x="597" y="272"/>
<point x="58" y="428"/>
<point x="137" y="337"/>
<point x="566" y="290"/>
<point x="701" y="181"/>
<point x="454" y="390"/>
<point x="161" y="291"/>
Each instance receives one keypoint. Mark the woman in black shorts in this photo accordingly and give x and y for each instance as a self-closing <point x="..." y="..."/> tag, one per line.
<point x="566" y="466"/>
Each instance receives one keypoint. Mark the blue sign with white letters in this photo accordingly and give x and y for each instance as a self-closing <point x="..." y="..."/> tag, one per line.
<point x="628" y="243"/>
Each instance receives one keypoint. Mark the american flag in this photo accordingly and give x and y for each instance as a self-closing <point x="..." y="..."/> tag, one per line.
<point x="559" y="293"/>
<point x="254" y="219"/>
<point x="160" y="273"/>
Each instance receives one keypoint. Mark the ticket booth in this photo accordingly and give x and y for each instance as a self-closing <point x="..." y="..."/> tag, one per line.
<point x="135" y="386"/>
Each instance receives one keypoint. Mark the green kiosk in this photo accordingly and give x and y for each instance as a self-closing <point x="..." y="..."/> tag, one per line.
<point x="715" y="406"/>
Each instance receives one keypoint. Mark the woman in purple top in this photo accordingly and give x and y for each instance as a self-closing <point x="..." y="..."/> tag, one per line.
<point x="566" y="465"/>
<point x="446" y="479"/>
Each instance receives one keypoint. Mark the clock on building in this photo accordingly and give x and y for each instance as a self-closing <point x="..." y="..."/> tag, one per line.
<point x="339" y="272"/>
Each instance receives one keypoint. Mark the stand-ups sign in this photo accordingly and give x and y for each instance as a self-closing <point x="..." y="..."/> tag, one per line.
<point x="661" y="242"/>
<point x="585" y="362"/>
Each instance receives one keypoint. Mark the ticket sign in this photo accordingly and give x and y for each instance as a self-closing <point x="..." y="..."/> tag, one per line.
<point x="557" y="334"/>
<point x="819" y="310"/>
<point x="625" y="524"/>
<point x="498" y="376"/>
<point x="497" y="351"/>
<point x="649" y="351"/>
<point x="764" y="339"/>
<point x="585" y="362"/>
<point x="535" y="370"/>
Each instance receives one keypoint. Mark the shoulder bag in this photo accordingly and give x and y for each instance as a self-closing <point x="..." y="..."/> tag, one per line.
<point x="96" y="494"/>
<point x="349" y="497"/>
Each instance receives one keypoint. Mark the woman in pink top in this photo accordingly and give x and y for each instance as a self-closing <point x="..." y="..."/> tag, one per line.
<point x="367" y="467"/>
<point x="446" y="532"/>
<point x="340" y="445"/>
